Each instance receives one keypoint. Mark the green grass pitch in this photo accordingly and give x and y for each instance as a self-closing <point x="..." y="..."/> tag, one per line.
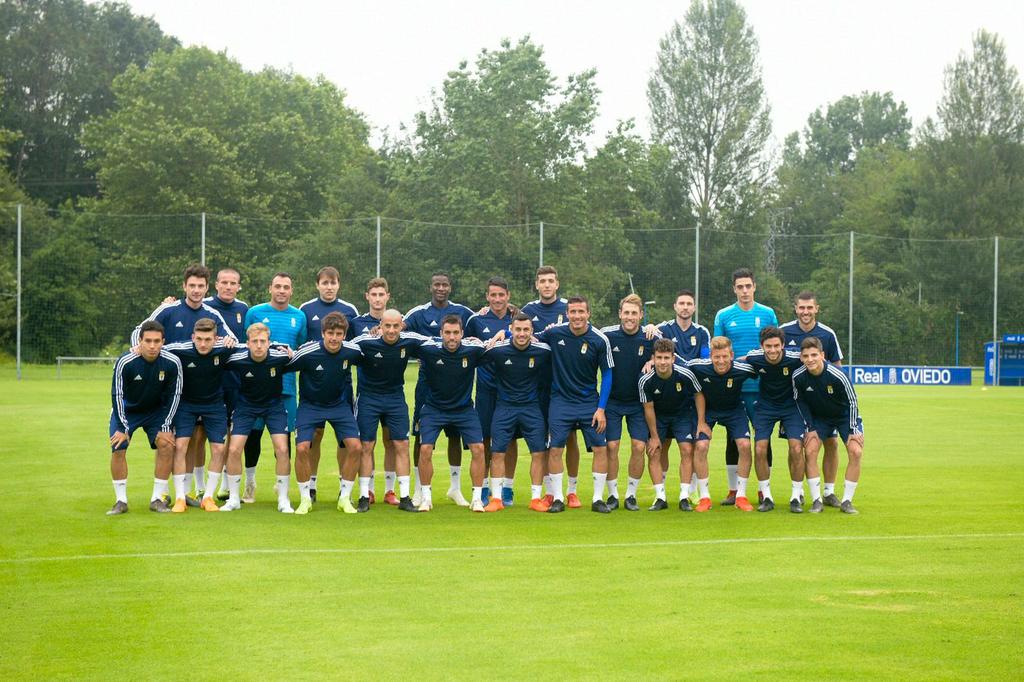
<point x="926" y="583"/>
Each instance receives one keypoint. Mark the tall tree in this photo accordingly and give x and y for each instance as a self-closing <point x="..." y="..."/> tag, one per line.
<point x="855" y="122"/>
<point x="58" y="59"/>
<point x="708" y="107"/>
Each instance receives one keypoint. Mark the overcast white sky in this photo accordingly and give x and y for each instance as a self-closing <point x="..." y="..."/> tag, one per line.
<point x="388" y="55"/>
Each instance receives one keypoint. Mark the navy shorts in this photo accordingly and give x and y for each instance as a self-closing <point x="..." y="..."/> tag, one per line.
<point x="464" y="422"/>
<point x="734" y="421"/>
<point x="291" y="410"/>
<point x="485" y="401"/>
<point x="151" y="422"/>
<point x="245" y="418"/>
<point x="312" y="417"/>
<point x="512" y="420"/>
<point x="417" y="410"/>
<point x="634" y="414"/>
<point x="767" y="414"/>
<point x="681" y="427"/>
<point x="564" y="416"/>
<point x="374" y="409"/>
<point x="827" y="427"/>
<point x="211" y="415"/>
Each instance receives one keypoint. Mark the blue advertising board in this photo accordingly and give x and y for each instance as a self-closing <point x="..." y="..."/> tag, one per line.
<point x="899" y="375"/>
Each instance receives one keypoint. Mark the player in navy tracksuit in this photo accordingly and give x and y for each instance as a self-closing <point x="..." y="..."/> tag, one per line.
<point x="520" y="368"/>
<point x="144" y="393"/>
<point x="828" y="404"/>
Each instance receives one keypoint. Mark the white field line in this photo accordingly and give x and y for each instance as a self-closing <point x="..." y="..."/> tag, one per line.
<point x="507" y="548"/>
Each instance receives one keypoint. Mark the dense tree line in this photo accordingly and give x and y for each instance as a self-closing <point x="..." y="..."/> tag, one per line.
<point x="115" y="138"/>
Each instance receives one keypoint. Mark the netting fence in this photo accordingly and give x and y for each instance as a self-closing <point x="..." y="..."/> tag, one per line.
<point x="76" y="284"/>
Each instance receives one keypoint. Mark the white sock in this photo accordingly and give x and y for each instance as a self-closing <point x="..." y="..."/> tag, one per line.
<point x="456" y="477"/>
<point x="346" y="489"/>
<point x="573" y="481"/>
<point x="199" y="476"/>
<point x="496" y="485"/>
<point x="815" y="487"/>
<point x="426" y="494"/>
<point x="849" y="487"/>
<point x="830" y="489"/>
<point x="631" y="486"/>
<point x="684" y="491"/>
<point x="250" y="475"/>
<point x="179" y="486"/>
<point x="312" y="482"/>
<point x="741" y="486"/>
<point x="389" y="481"/>
<point x="304" y="489"/>
<point x="547" y="485"/>
<point x="599" y="481"/>
<point x="478" y="493"/>
<point x="536" y="491"/>
<point x="212" y="479"/>
<point x="282" y="487"/>
<point x="403" y="486"/>
<point x="730" y="470"/>
<point x="659" y="491"/>
<point x="613" y="488"/>
<point x="160" y="488"/>
<point x="556" y="486"/>
<point x="798" y="490"/>
<point x="121" y="490"/>
<point x="702" y="486"/>
<point x="508" y="483"/>
<point x="765" y="488"/>
<point x="223" y="479"/>
<point x="364" y="486"/>
<point x="416" y="476"/>
<point x="234" y="483"/>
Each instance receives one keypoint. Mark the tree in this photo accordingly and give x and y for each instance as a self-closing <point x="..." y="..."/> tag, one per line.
<point x="708" y="107"/>
<point x="58" y="59"/>
<point x="852" y="123"/>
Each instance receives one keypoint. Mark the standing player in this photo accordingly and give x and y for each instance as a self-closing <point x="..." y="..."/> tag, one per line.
<point x="721" y="380"/>
<point x="233" y="310"/>
<point x="673" y="408"/>
<point x="741" y="323"/>
<point x="179" y="317"/>
<point x="485" y="326"/>
<point x="316" y="309"/>
<point x="287" y="325"/>
<point x="544" y="312"/>
<point x="381" y="398"/>
<point x="325" y="381"/>
<point x="521" y="368"/>
<point x="828" y="404"/>
<point x="806" y="325"/>
<point x="775" y="366"/>
<point x="203" y="361"/>
<point x="448" y="369"/>
<point x="144" y="393"/>
<point x="631" y="350"/>
<point x="578" y="352"/>
<point x="426" y="320"/>
<point x="260" y="370"/>
<point x="377" y="296"/>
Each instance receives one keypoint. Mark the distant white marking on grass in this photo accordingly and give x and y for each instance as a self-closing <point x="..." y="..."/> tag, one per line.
<point x="507" y="548"/>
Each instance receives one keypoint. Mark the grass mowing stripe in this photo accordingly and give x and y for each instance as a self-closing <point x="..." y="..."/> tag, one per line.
<point x="513" y="548"/>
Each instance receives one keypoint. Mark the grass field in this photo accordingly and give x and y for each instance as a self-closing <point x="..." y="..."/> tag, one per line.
<point x="926" y="583"/>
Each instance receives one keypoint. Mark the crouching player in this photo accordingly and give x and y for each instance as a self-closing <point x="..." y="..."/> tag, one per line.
<point x="260" y="369"/>
<point x="518" y="367"/>
<point x="144" y="393"/>
<point x="828" y="404"/>
<point x="673" y="408"/>
<point x="721" y="379"/>
<point x="203" y="361"/>
<point x="775" y="367"/>
<point x="325" y="384"/>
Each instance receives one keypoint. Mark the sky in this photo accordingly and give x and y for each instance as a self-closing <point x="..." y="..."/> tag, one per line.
<point x="390" y="55"/>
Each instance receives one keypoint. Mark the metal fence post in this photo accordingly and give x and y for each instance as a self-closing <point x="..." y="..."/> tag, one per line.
<point x="849" y="341"/>
<point x="995" y="294"/>
<point x="17" y="343"/>
<point x="696" y="274"/>
<point x="540" y="234"/>
<point x="378" y="246"/>
<point x="202" y="238"/>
